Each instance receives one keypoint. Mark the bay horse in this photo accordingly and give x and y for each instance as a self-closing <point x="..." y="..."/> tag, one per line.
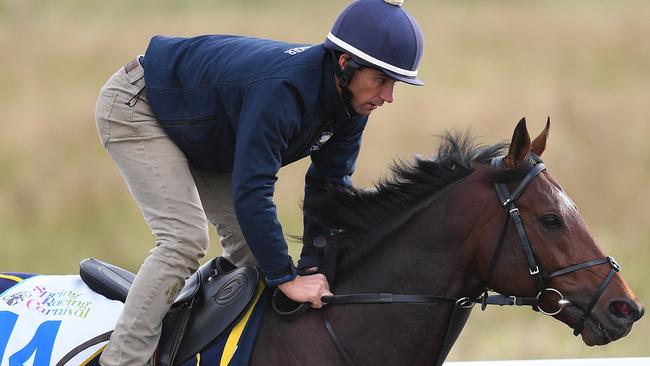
<point x="484" y="225"/>
<point x="448" y="229"/>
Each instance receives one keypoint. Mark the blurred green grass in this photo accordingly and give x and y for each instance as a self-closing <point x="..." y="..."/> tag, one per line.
<point x="487" y="63"/>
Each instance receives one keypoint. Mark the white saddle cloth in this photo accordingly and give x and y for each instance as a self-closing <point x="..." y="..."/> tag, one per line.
<point x="43" y="318"/>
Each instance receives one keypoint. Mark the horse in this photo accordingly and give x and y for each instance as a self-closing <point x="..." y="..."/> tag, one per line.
<point x="438" y="229"/>
<point x="411" y="257"/>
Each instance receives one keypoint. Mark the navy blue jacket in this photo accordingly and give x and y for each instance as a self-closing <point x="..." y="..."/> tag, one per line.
<point x="249" y="106"/>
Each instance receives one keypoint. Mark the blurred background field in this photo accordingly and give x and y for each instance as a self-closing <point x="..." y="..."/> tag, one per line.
<point x="586" y="63"/>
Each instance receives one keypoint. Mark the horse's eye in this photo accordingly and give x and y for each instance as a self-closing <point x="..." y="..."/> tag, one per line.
<point x="551" y="222"/>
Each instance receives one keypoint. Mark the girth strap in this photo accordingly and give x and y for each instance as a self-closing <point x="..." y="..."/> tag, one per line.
<point x="84" y="346"/>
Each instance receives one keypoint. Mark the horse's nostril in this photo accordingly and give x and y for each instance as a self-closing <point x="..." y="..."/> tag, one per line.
<point x="623" y="309"/>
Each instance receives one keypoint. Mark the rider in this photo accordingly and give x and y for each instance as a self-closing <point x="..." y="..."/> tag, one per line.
<point x="199" y="128"/>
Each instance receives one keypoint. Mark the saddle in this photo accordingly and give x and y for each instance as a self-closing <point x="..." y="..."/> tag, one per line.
<point x="213" y="299"/>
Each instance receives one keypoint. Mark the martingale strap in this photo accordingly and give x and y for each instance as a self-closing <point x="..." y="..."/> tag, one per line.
<point x="337" y="342"/>
<point x="462" y="309"/>
<point x="381" y="298"/>
<point x="459" y="316"/>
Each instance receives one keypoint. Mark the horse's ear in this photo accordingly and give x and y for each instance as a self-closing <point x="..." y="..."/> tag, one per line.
<point x="519" y="146"/>
<point x="539" y="143"/>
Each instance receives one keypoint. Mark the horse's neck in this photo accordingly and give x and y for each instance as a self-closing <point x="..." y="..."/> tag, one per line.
<point x="431" y="254"/>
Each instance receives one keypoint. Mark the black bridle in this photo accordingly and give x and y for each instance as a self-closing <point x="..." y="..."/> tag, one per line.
<point x="462" y="306"/>
<point x="541" y="278"/>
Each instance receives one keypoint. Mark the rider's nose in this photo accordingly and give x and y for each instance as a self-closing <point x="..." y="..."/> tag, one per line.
<point x="386" y="93"/>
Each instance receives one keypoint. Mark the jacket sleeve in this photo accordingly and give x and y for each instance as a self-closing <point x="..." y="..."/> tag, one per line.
<point x="333" y="164"/>
<point x="271" y="114"/>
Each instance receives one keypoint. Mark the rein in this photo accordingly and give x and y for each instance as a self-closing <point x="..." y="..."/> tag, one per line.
<point x="463" y="305"/>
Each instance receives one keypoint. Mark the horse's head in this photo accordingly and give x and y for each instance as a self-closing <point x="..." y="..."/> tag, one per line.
<point x="551" y="255"/>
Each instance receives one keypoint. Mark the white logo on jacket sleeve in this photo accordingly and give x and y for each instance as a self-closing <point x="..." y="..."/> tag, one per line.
<point x="296" y="50"/>
<point x="324" y="137"/>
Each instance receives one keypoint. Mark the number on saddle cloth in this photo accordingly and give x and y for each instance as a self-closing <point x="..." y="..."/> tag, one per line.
<point x="212" y="301"/>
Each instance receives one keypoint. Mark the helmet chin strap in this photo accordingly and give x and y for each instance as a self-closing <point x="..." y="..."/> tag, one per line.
<point x="345" y="76"/>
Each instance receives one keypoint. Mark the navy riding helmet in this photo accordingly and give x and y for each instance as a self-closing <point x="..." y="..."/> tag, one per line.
<point x="382" y="35"/>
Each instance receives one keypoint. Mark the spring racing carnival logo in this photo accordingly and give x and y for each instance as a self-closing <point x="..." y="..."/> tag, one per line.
<point x="62" y="303"/>
<point x="43" y="317"/>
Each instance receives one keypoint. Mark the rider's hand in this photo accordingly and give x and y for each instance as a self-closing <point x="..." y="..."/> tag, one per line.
<point x="307" y="289"/>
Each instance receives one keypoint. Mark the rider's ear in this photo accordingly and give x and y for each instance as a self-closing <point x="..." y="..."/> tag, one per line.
<point x="343" y="60"/>
<point x="519" y="146"/>
<point x="539" y="143"/>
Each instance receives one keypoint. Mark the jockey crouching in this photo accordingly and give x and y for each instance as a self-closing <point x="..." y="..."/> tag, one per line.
<point x="199" y="128"/>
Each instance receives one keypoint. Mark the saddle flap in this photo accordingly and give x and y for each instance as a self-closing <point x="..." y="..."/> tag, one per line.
<point x="225" y="293"/>
<point x="190" y="289"/>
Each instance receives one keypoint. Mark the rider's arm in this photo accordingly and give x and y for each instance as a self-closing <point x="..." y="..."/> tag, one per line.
<point x="269" y="117"/>
<point x="332" y="165"/>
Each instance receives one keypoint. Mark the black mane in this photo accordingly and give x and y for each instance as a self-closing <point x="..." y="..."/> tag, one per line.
<point x="358" y="213"/>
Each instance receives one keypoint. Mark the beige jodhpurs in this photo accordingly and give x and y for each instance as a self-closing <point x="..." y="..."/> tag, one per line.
<point x="176" y="203"/>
